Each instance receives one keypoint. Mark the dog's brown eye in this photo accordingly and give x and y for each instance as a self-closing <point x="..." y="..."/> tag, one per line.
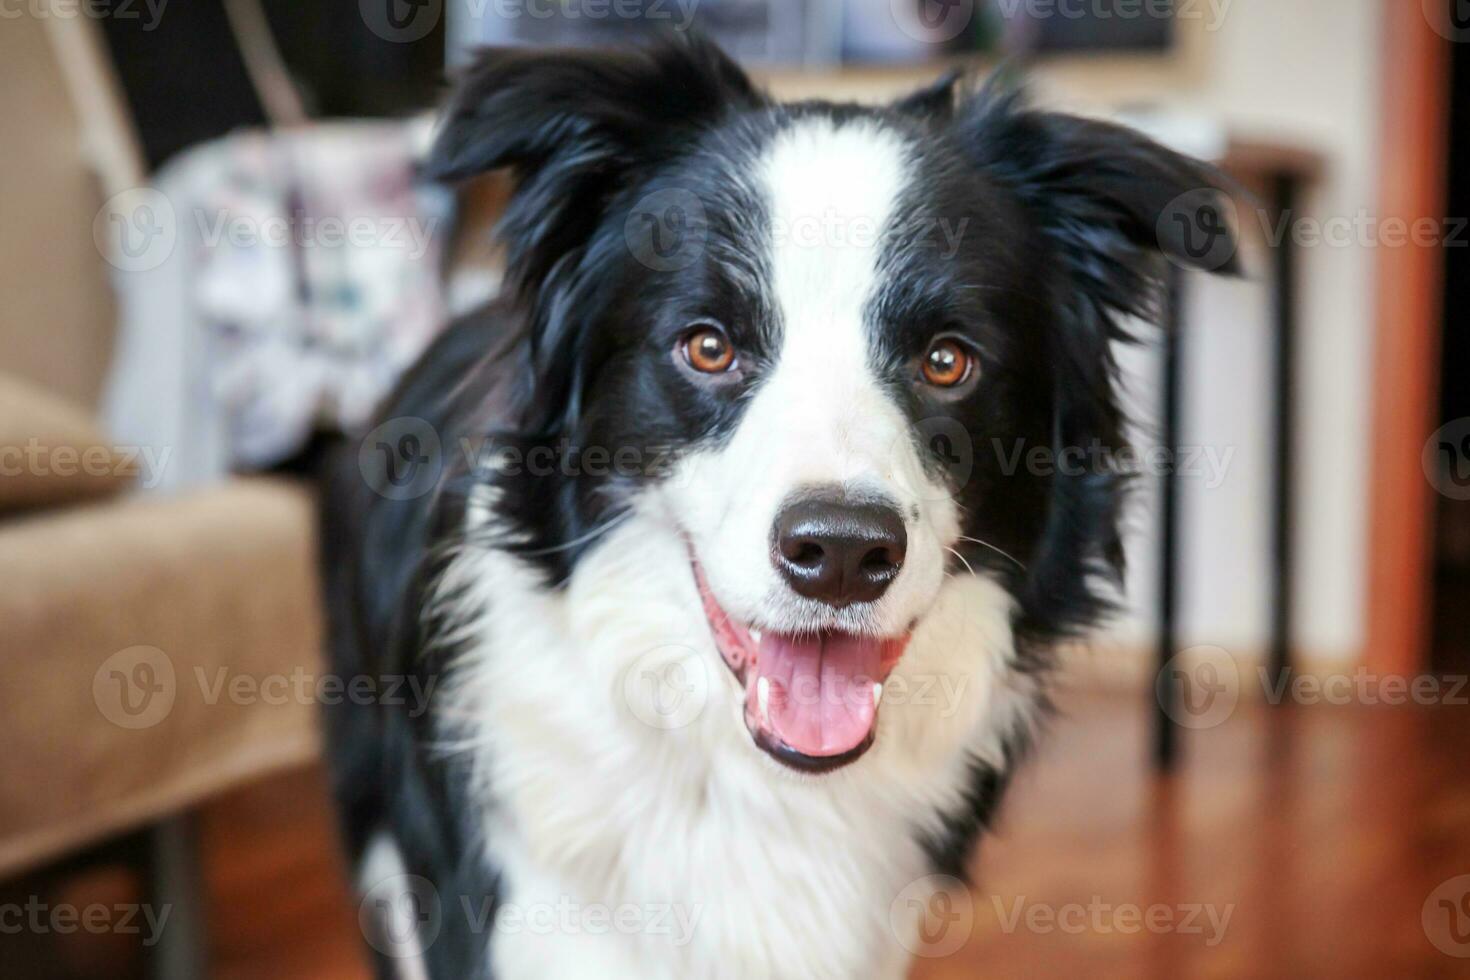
<point x="947" y="364"/>
<point x="708" y="350"/>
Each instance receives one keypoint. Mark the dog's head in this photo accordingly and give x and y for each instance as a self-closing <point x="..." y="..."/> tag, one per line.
<point x="876" y="342"/>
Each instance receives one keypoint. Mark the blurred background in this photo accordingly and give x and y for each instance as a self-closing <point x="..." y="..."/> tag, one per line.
<point x="215" y="253"/>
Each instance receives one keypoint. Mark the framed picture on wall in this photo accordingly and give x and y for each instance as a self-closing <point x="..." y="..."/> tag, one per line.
<point x="828" y="33"/>
<point x="760" y="32"/>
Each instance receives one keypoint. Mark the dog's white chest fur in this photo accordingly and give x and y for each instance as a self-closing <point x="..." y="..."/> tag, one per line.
<point x="637" y="829"/>
<point x="636" y="826"/>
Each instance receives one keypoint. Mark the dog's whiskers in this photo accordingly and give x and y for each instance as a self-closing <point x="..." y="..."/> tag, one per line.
<point x="596" y="532"/>
<point x="998" y="551"/>
<point x="961" y="558"/>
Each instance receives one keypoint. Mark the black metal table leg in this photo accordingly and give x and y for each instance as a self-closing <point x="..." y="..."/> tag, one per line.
<point x="1164" y="691"/>
<point x="1283" y="190"/>
<point x="1283" y="203"/>
<point x="175" y="887"/>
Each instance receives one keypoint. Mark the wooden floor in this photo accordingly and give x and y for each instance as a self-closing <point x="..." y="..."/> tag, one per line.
<point x="1320" y="832"/>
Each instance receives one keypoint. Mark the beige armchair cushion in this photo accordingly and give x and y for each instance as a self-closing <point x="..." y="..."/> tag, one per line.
<point x="53" y="453"/>
<point x="57" y="317"/>
<point x="142" y="645"/>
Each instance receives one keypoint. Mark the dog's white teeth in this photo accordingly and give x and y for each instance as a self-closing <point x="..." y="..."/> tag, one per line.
<point x="763" y="699"/>
<point x="877" y="693"/>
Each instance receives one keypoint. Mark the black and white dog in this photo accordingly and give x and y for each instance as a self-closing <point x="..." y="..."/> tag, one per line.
<point x="732" y="599"/>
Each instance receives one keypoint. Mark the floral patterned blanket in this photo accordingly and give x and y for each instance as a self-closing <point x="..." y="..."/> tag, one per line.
<point x="271" y="285"/>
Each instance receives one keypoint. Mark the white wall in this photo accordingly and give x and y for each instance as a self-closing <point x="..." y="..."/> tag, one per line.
<point x="1306" y="71"/>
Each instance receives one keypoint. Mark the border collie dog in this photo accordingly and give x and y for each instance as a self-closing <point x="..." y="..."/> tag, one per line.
<point x="731" y="589"/>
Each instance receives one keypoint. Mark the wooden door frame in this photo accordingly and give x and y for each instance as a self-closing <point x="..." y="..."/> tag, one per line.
<point x="1409" y="318"/>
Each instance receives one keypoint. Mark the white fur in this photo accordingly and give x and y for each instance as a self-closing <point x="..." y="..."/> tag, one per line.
<point x="389" y="903"/>
<point x="821" y="417"/>
<point x="588" y="798"/>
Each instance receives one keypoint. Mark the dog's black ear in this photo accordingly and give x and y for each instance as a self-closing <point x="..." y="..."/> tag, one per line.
<point x="934" y="101"/>
<point x="1109" y="203"/>
<point x="571" y="123"/>
<point x="1111" y="198"/>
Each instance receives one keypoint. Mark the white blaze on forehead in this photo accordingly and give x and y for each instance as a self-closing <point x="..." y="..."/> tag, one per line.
<point x="820" y="415"/>
<point x="832" y="190"/>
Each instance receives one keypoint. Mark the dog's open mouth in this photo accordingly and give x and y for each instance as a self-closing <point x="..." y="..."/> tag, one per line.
<point x="811" y="700"/>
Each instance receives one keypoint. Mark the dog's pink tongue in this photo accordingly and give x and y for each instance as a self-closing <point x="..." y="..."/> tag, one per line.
<point x="821" y="689"/>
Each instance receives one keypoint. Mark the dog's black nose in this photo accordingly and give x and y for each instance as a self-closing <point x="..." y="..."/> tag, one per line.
<point x="838" y="551"/>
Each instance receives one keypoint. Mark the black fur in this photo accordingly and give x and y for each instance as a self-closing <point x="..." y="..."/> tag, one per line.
<point x="1063" y="241"/>
<point x="380" y="555"/>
